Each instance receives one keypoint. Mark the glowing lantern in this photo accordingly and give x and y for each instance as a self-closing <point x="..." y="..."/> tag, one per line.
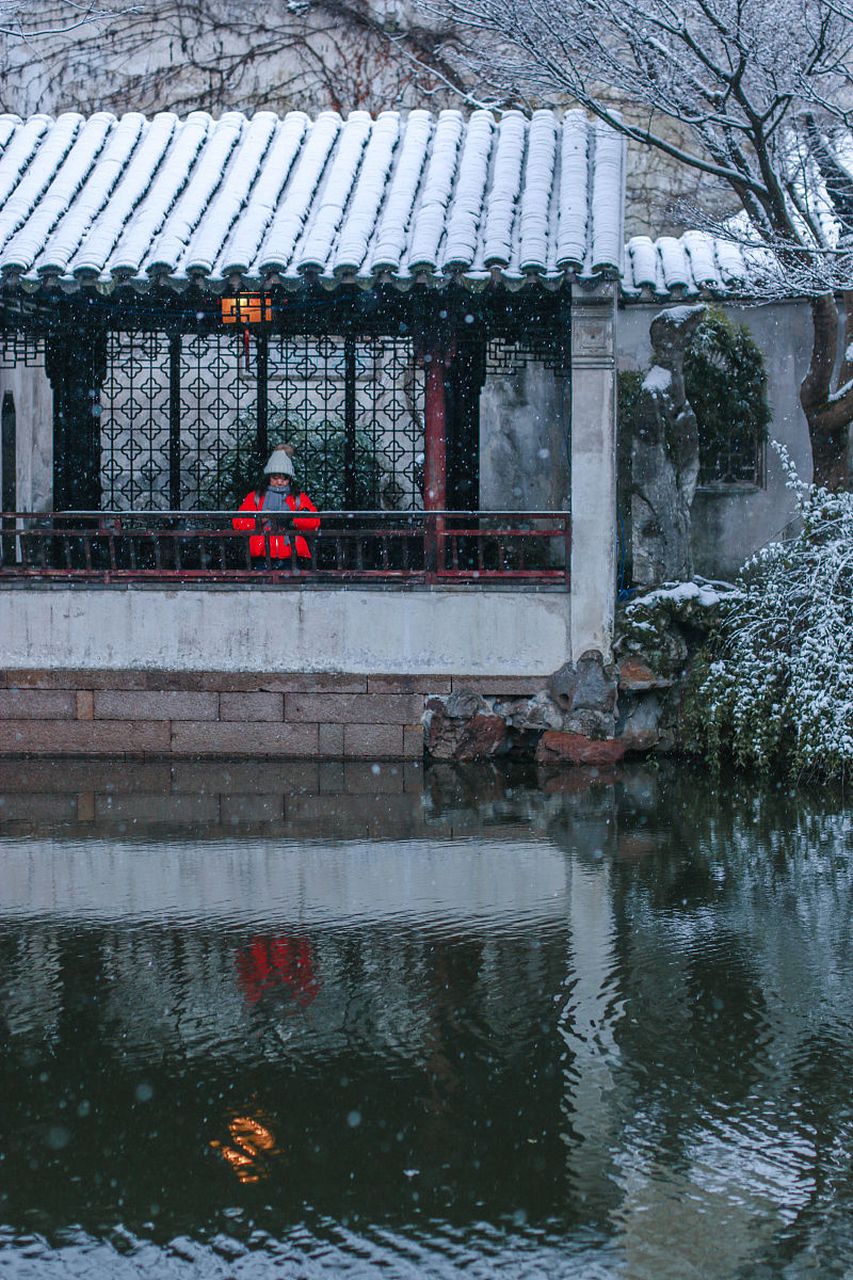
<point x="246" y="309"/>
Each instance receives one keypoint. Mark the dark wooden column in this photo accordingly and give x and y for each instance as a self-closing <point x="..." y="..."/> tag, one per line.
<point x="464" y="382"/>
<point x="435" y="433"/>
<point x="175" y="421"/>
<point x="76" y="363"/>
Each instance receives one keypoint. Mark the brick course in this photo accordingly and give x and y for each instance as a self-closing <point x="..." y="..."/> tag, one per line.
<point x="251" y="706"/>
<point x="122" y="705"/>
<point x="362" y="708"/>
<point x="249" y="738"/>
<point x="84" y="737"/>
<point x="283" y="716"/>
<point x="37" y="704"/>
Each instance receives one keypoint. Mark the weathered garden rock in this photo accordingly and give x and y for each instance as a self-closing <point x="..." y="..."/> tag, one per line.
<point x="665" y="454"/>
<point x="482" y="737"/>
<point x="464" y="703"/>
<point x="531" y="714"/>
<point x="586" y="692"/>
<point x="640" y="726"/>
<point x="573" y="748"/>
<point x="452" y="737"/>
<point x="636" y="676"/>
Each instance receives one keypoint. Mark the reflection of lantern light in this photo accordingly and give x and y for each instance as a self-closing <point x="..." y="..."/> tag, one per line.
<point x="251" y="1141"/>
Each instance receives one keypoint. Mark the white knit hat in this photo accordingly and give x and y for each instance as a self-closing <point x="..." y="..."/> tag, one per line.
<point x="279" y="462"/>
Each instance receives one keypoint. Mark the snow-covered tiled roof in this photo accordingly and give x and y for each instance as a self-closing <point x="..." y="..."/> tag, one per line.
<point x="132" y="199"/>
<point x="692" y="265"/>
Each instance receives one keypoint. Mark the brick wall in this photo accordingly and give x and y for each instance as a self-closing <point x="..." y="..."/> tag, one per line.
<point x="184" y="714"/>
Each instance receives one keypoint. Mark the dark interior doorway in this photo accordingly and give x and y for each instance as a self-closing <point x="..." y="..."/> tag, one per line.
<point x="8" y="472"/>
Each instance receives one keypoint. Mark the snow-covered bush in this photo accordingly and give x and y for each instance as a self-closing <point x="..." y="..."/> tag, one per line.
<point x="780" y="691"/>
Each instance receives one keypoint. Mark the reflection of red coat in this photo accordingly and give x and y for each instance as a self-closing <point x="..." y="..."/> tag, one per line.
<point x="267" y="963"/>
<point x="279" y="543"/>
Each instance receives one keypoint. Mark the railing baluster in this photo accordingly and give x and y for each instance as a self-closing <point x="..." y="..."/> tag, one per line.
<point x="369" y="546"/>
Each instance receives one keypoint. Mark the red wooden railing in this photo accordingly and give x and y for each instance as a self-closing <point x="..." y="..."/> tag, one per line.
<point x="531" y="547"/>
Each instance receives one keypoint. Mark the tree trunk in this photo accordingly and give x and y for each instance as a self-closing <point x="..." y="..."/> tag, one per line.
<point x="829" y="412"/>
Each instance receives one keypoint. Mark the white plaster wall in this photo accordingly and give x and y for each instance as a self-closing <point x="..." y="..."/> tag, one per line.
<point x="524" y="442"/>
<point x="729" y="527"/>
<point x="33" y="398"/>
<point x="225" y="629"/>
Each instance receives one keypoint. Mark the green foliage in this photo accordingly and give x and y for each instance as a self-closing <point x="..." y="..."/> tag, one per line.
<point x="779" y="692"/>
<point x="629" y="384"/>
<point x="320" y="470"/>
<point x="318" y="460"/>
<point x="726" y="384"/>
<point x="237" y="474"/>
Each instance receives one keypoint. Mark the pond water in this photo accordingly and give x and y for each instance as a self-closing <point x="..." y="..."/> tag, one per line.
<point x="309" y="1020"/>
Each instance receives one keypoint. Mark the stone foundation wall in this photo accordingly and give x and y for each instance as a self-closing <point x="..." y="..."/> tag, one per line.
<point x="138" y="714"/>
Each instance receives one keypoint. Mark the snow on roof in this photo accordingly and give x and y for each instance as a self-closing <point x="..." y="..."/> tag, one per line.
<point x="133" y="199"/>
<point x="688" y="266"/>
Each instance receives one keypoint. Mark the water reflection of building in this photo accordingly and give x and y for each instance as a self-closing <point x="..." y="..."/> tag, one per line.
<point x="682" y="970"/>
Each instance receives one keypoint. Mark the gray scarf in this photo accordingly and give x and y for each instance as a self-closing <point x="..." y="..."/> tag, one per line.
<point x="275" y="500"/>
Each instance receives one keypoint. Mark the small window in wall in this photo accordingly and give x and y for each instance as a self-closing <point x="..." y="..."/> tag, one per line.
<point x="8" y="454"/>
<point x="726" y="383"/>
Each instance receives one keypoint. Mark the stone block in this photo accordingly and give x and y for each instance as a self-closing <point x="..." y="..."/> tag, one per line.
<point x="86" y="806"/>
<point x="84" y="737"/>
<point x="413" y="741"/>
<point x="251" y="706"/>
<point x="331" y="739"/>
<point x="408" y="684"/>
<point x="344" y="708"/>
<point x="573" y="748"/>
<point x="589" y="685"/>
<point x="37" y="704"/>
<point x="189" y="681"/>
<point x="318" y="683"/>
<point x="500" y="686"/>
<point x="374" y="741"/>
<point x="77" y="679"/>
<point x="159" y="705"/>
<point x="85" y="704"/>
<point x="243" y="738"/>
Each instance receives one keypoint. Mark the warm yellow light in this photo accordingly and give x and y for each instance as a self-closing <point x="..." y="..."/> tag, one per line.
<point x="252" y="1141"/>
<point x="246" y="308"/>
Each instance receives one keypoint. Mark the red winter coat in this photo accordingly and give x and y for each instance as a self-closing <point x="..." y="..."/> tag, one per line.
<point x="279" y="542"/>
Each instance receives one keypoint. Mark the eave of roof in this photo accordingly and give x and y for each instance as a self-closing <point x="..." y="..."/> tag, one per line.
<point x="400" y="198"/>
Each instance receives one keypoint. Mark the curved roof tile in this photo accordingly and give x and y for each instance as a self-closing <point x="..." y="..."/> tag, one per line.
<point x="402" y="193"/>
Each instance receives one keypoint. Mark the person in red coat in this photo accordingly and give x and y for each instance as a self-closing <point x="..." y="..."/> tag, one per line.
<point x="276" y="493"/>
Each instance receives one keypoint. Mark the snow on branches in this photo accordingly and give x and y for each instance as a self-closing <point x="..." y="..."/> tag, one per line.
<point x="781" y="691"/>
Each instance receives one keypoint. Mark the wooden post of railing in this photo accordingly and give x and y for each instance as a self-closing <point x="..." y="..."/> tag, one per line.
<point x="435" y="461"/>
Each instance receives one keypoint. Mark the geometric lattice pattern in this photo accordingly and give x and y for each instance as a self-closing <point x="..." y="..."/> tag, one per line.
<point x="217" y="393"/>
<point x="318" y="385"/>
<point x="176" y="413"/>
<point x="135" y="454"/>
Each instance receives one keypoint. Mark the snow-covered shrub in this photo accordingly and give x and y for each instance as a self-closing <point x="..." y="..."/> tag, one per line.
<point x="780" y="691"/>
